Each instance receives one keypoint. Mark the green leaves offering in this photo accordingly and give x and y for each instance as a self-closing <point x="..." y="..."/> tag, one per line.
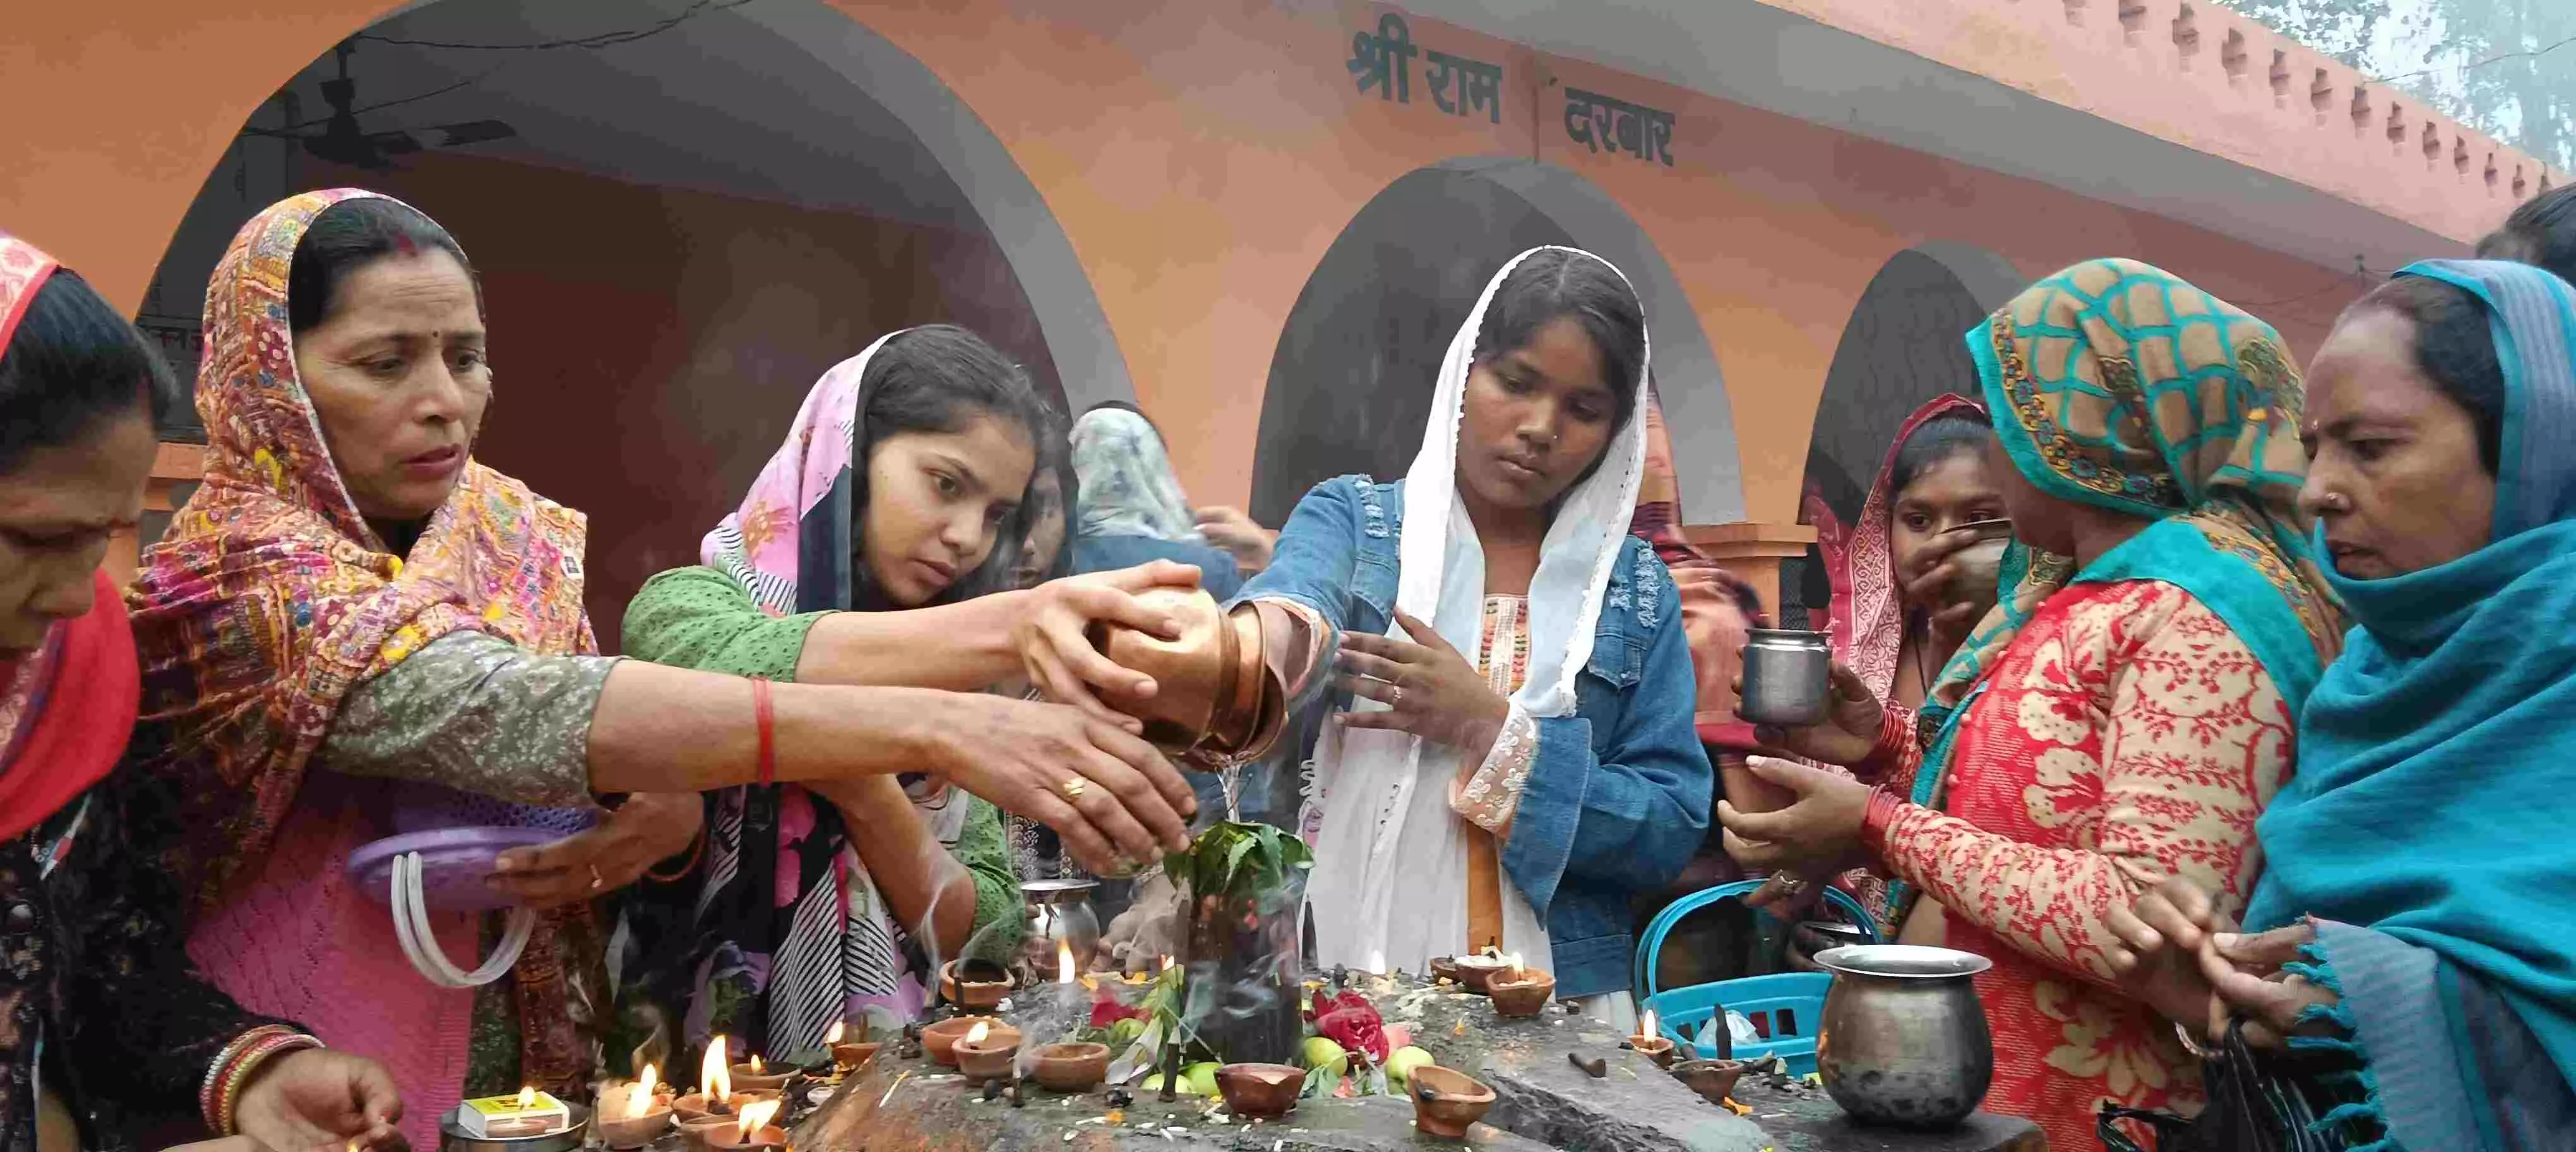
<point x="1238" y="859"/>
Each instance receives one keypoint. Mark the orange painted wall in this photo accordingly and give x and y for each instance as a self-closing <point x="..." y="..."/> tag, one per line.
<point x="1213" y="153"/>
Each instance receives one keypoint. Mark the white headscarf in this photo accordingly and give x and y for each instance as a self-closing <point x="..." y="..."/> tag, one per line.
<point x="1390" y="877"/>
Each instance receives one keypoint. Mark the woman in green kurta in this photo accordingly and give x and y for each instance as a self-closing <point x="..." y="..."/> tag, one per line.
<point x="879" y="546"/>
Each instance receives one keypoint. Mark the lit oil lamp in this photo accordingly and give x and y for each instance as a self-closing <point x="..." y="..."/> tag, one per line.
<point x="631" y="1117"/>
<point x="753" y="1130"/>
<point x="753" y="1076"/>
<point x="715" y="1095"/>
<point x="985" y="1053"/>
<point x="846" y="1055"/>
<point x="1650" y="1043"/>
<point x="1518" y="991"/>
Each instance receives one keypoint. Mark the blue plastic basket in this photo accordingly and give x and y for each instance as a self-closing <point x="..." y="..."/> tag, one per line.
<point x="1785" y="1008"/>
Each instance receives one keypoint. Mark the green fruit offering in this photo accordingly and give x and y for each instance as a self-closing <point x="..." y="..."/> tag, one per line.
<point x="1124" y="1033"/>
<point x="1327" y="1056"/>
<point x="1401" y="1063"/>
<point x="1201" y="1079"/>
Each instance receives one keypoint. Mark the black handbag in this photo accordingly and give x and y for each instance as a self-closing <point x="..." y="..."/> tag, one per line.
<point x="2255" y="1105"/>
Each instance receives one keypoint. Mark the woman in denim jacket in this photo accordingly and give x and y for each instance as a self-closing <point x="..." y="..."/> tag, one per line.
<point x="1512" y="756"/>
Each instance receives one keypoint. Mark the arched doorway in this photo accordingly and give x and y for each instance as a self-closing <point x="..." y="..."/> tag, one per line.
<point x="686" y="214"/>
<point x="1902" y="346"/>
<point x="1350" y="384"/>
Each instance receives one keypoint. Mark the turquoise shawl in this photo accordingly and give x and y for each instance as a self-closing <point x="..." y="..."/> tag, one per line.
<point x="2436" y="757"/>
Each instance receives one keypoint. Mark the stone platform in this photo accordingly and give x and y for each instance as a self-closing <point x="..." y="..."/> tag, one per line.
<point x="1542" y="1101"/>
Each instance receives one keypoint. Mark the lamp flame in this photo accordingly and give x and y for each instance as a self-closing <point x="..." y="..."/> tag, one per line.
<point x="1513" y="961"/>
<point x="756" y="1069"/>
<point x="1646" y="1025"/>
<point x="976" y="1034"/>
<point x="639" y="1099"/>
<point x="756" y="1116"/>
<point x="1063" y="962"/>
<point x="1377" y="963"/>
<point x="713" y="1078"/>
<point x="527" y="1096"/>
<point x="834" y="1035"/>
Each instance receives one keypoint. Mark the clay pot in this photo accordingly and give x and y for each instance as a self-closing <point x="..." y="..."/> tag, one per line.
<point x="1445" y="967"/>
<point x="1072" y="1067"/>
<point x="974" y="990"/>
<point x="940" y="1039"/>
<point x="1214" y="697"/>
<point x="1477" y="974"/>
<point x="853" y="1055"/>
<point x="694" y="1105"/>
<point x="1656" y="1048"/>
<point x="992" y="1059"/>
<point x="1523" y="997"/>
<point x="1714" y="1080"/>
<point x="730" y="1136"/>
<point x="634" y="1131"/>
<point x="1447" y="1102"/>
<point x="696" y="1133"/>
<point x="770" y="1077"/>
<point x="1261" y="1091"/>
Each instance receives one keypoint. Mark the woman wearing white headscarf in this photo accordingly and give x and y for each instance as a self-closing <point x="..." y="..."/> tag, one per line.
<point x="1512" y="757"/>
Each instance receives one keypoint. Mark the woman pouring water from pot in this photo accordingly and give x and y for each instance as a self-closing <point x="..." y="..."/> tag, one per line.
<point x="1512" y="757"/>
<point x="2123" y="714"/>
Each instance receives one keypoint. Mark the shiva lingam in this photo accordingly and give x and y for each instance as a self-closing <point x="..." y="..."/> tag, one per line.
<point x="1447" y="1102"/>
<point x="634" y="1115"/>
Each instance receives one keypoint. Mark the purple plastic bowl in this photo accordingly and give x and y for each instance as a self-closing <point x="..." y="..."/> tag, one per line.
<point x="454" y="864"/>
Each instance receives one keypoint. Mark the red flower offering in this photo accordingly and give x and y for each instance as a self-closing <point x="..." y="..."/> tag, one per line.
<point x="1351" y="1022"/>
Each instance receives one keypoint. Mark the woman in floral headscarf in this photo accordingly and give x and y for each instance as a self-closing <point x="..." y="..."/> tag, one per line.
<point x="351" y="598"/>
<point x="2124" y="714"/>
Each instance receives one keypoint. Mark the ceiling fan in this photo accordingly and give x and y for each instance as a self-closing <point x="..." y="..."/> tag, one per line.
<point x="341" y="141"/>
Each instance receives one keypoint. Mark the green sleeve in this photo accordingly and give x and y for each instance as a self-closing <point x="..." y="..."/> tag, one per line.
<point x="985" y="850"/>
<point x="699" y="618"/>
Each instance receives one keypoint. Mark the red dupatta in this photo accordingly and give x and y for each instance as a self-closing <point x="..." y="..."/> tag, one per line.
<point x="68" y="707"/>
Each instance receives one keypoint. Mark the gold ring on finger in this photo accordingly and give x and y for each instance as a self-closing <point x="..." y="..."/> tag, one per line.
<point x="1072" y="787"/>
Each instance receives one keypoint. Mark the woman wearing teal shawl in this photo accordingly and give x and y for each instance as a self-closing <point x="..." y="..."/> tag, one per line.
<point x="2421" y="891"/>
<point x="2123" y="715"/>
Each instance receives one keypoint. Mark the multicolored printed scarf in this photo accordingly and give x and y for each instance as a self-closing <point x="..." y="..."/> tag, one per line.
<point x="2119" y="385"/>
<point x="66" y="708"/>
<point x="270" y="598"/>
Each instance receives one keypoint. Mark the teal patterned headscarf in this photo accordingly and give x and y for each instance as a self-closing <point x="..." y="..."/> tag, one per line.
<point x="1128" y="488"/>
<point x="2121" y="386"/>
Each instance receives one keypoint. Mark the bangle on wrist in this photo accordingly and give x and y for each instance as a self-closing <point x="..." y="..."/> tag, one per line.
<point x="240" y="1062"/>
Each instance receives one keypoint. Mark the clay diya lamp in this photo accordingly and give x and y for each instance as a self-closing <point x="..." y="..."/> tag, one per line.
<point x="634" y="1131"/>
<point x="1521" y="996"/>
<point x="695" y="1105"/>
<point x="990" y="1057"/>
<point x="847" y="1057"/>
<point x="752" y="1131"/>
<point x="1447" y="1102"/>
<point x="758" y="1076"/>
<point x="696" y="1133"/>
<point x="1445" y="968"/>
<point x="974" y="985"/>
<point x="940" y="1039"/>
<point x="1072" y="1067"/>
<point x="1714" y="1080"/>
<point x="1478" y="973"/>
<point x="1260" y="1091"/>
<point x="1656" y="1048"/>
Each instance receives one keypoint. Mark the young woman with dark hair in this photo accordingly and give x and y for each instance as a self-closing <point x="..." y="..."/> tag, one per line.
<point x="1513" y="758"/>
<point x="902" y="485"/>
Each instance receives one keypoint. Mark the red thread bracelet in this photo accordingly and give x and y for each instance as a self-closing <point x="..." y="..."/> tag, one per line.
<point x="761" y="712"/>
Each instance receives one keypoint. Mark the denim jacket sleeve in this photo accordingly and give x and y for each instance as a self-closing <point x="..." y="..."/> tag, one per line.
<point x="1629" y="812"/>
<point x="1312" y="564"/>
